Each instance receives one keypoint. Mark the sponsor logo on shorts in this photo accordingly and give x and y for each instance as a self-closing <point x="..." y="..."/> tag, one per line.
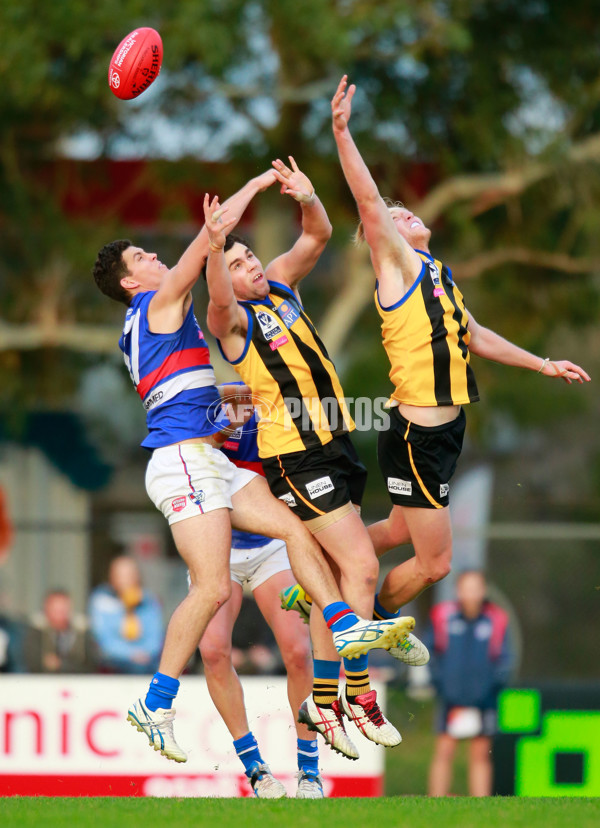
<point x="197" y="497"/>
<point x="397" y="486"/>
<point x="444" y="489"/>
<point x="179" y="503"/>
<point x="317" y="488"/>
<point x="288" y="498"/>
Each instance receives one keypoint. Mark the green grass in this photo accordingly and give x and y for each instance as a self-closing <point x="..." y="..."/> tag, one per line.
<point x="387" y="812"/>
<point x="407" y="766"/>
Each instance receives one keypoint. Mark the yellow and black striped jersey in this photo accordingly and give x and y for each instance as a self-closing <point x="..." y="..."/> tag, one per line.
<point x="426" y="338"/>
<point x="295" y="387"/>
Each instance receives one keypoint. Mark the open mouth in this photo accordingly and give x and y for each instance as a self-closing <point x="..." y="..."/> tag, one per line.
<point x="415" y="224"/>
<point x="257" y="278"/>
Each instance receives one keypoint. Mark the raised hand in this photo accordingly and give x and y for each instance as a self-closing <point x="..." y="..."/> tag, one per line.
<point x="213" y="221"/>
<point x="565" y="370"/>
<point x="341" y="105"/>
<point x="293" y="182"/>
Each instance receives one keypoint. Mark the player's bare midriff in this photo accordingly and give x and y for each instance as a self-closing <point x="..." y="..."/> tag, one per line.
<point x="209" y="439"/>
<point x="429" y="415"/>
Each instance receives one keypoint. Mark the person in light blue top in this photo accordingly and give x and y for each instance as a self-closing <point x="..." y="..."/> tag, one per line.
<point x="126" y="621"/>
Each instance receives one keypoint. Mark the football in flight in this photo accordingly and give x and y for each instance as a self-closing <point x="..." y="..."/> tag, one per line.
<point x="135" y="63"/>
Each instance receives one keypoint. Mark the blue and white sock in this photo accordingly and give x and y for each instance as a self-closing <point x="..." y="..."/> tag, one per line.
<point x="161" y="692"/>
<point x="248" y="752"/>
<point x="308" y="756"/>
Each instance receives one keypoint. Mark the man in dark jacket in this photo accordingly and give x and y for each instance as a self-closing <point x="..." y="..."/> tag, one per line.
<point x="471" y="660"/>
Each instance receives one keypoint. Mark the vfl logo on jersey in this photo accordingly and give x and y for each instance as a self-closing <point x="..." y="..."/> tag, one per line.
<point x="288" y="498"/>
<point x="233" y="440"/>
<point x="288" y="313"/>
<point x="197" y="497"/>
<point x="400" y="487"/>
<point x="319" y="487"/>
<point x="269" y="326"/>
<point x="271" y="330"/>
<point x="438" y="290"/>
<point x="444" y="489"/>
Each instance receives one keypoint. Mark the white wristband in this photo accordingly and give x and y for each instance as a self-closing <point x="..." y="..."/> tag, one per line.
<point x="306" y="199"/>
<point x="543" y="365"/>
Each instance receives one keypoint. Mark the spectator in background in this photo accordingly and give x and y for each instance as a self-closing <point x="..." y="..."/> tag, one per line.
<point x="126" y="621"/>
<point x="471" y="660"/>
<point x="11" y="645"/>
<point x="58" y="640"/>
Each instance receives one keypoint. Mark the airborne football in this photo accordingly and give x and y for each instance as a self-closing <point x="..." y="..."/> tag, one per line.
<point x="135" y="63"/>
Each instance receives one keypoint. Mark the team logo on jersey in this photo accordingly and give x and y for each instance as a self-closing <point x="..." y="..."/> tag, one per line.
<point x="397" y="486"/>
<point x="438" y="290"/>
<point x="197" y="497"/>
<point x="319" y="487"/>
<point x="179" y="504"/>
<point x="288" y="498"/>
<point x="444" y="489"/>
<point x="288" y="314"/>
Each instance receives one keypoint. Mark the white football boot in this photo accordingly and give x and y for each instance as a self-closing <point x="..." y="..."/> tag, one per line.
<point x="369" y="635"/>
<point x="328" y="721"/>
<point x="366" y="714"/>
<point x="158" y="727"/>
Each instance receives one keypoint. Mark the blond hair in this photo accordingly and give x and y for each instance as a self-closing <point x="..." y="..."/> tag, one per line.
<point x="359" y="234"/>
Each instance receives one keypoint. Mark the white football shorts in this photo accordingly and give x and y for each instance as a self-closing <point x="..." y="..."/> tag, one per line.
<point x="188" y="479"/>
<point x="255" y="566"/>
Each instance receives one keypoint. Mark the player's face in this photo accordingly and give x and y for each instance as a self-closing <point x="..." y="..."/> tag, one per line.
<point x="246" y="271"/>
<point x="410" y="226"/>
<point x="144" y="267"/>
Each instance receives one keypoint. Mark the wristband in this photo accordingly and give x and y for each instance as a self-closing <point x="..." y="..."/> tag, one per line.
<point x="214" y="248"/>
<point x="306" y="199"/>
<point x="543" y="365"/>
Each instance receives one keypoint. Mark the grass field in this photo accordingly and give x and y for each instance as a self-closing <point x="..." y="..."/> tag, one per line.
<point x="387" y="812"/>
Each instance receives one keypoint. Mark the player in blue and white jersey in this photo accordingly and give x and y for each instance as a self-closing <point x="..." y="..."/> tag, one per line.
<point x="260" y="564"/>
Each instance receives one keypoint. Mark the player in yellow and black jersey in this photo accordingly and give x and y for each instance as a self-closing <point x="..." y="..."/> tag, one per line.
<point x="303" y="438"/>
<point x="429" y="336"/>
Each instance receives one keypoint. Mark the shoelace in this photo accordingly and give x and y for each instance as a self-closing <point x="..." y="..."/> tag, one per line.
<point x="337" y="710"/>
<point x="373" y="713"/>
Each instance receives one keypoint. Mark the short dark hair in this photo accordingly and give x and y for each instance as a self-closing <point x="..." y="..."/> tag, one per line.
<point x="230" y="240"/>
<point x="110" y="268"/>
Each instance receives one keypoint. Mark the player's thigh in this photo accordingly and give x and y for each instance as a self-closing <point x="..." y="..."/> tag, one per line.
<point x="347" y="542"/>
<point x="217" y="636"/>
<point x="430" y="531"/>
<point x="204" y="543"/>
<point x="255" y="509"/>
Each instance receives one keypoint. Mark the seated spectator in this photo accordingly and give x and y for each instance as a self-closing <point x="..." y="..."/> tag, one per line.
<point x="58" y="639"/>
<point x="126" y="621"/>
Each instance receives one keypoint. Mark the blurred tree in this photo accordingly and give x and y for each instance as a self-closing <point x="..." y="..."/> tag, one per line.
<point x="485" y="117"/>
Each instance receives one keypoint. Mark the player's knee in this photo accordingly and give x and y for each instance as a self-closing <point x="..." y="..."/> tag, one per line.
<point x="435" y="570"/>
<point x="216" y="655"/>
<point x="296" y="657"/>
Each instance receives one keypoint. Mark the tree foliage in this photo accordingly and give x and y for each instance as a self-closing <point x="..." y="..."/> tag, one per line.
<point x="484" y="115"/>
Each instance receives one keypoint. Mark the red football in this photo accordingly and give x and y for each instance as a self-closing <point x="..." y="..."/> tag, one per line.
<point x="135" y="63"/>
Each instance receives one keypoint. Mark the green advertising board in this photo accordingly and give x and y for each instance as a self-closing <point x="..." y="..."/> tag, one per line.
<point x="548" y="741"/>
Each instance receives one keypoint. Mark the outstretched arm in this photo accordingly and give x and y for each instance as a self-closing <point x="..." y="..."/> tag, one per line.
<point x="223" y="314"/>
<point x="490" y="345"/>
<point x="392" y="256"/>
<point x="291" y="267"/>
<point x="184" y="275"/>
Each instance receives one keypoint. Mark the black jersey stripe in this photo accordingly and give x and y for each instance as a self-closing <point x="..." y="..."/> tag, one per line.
<point x="294" y="301"/>
<point x="276" y="366"/>
<point x="472" y="389"/>
<point x="439" y="344"/>
<point x="324" y="385"/>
